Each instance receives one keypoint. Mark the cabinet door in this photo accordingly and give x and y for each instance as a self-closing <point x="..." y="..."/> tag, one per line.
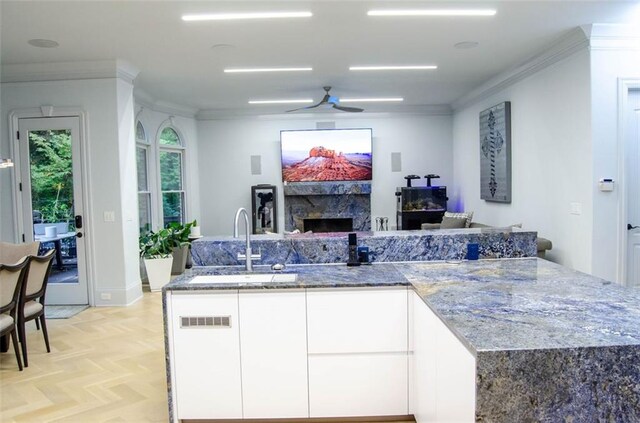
<point x="206" y="355"/>
<point x="423" y="370"/>
<point x="443" y="371"/>
<point x="357" y="385"/>
<point x="357" y="321"/>
<point x="455" y="378"/>
<point x="273" y="339"/>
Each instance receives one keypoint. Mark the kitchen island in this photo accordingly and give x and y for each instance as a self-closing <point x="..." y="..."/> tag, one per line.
<point x="492" y="340"/>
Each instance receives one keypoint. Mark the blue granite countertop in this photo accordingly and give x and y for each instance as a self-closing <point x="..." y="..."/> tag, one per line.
<point x="491" y="305"/>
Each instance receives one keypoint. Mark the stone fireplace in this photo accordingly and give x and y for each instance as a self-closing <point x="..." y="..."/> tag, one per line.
<point x="327" y="206"/>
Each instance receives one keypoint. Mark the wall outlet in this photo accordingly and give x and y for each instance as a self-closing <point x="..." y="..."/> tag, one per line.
<point x="109" y="216"/>
<point x="105" y="296"/>
<point x="576" y="208"/>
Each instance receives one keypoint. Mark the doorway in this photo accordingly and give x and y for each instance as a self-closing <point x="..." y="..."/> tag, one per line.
<point x="52" y="201"/>
<point x="632" y="178"/>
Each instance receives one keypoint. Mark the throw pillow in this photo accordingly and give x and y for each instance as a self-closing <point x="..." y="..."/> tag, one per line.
<point x="453" y="222"/>
<point x="466" y="215"/>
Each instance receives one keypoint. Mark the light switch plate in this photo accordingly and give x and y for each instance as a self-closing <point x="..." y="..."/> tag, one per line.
<point x="109" y="216"/>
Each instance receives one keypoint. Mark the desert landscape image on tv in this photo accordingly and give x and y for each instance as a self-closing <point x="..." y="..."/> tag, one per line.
<point x="326" y="155"/>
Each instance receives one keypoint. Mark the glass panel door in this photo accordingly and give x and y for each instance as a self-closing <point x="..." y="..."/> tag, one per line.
<point x="52" y="202"/>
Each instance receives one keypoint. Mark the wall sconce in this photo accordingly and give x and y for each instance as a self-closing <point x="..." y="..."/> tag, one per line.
<point x="5" y="163"/>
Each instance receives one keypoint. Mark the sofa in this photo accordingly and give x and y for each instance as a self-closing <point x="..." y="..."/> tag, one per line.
<point x="543" y="244"/>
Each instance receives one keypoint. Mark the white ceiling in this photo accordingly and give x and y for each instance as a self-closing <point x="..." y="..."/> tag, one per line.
<point x="178" y="64"/>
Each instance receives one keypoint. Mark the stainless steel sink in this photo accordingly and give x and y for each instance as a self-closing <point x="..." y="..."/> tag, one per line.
<point x="250" y="278"/>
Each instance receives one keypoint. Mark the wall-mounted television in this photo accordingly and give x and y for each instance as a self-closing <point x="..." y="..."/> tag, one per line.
<point x="326" y="155"/>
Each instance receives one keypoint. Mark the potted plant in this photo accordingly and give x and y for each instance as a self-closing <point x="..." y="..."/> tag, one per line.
<point x="155" y="250"/>
<point x="179" y="240"/>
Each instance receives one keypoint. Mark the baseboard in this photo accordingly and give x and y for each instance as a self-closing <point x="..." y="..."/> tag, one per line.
<point x="370" y="419"/>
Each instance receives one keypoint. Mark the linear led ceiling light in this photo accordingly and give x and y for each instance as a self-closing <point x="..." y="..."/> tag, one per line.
<point x="240" y="16"/>
<point x="433" y="12"/>
<point x="375" y="68"/>
<point x="280" y="101"/>
<point x="371" y="100"/>
<point x="249" y="70"/>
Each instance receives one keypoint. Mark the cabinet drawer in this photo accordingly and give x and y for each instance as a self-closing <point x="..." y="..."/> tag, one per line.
<point x="357" y="321"/>
<point x="358" y="385"/>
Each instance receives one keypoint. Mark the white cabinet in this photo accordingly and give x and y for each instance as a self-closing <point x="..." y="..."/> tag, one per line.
<point x="357" y="352"/>
<point x="273" y="338"/>
<point x="206" y="355"/>
<point x="358" y="385"/>
<point x="357" y="320"/>
<point x="443" y="386"/>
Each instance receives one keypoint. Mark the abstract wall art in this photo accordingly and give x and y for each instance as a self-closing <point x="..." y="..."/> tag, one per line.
<point x="495" y="153"/>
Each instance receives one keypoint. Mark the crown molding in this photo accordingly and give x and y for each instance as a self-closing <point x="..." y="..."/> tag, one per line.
<point x="574" y="41"/>
<point x="67" y="71"/>
<point x="231" y="114"/>
<point x="613" y="36"/>
<point x="144" y="99"/>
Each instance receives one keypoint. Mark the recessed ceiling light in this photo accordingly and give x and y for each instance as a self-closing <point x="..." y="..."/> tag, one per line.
<point x="374" y="68"/>
<point x="239" y="16"/>
<point x="42" y="43"/>
<point x="280" y="101"/>
<point x="248" y="70"/>
<point x="433" y="12"/>
<point x="371" y="100"/>
<point x="466" y="45"/>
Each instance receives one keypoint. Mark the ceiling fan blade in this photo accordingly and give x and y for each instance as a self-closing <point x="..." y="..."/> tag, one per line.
<point x="348" y="109"/>
<point x="305" y="108"/>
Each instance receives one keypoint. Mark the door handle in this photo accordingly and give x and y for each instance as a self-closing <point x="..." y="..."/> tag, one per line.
<point x="79" y="235"/>
<point x="630" y="227"/>
<point x="78" y="221"/>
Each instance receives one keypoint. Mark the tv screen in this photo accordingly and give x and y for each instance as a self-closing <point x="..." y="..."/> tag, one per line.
<point x="326" y="155"/>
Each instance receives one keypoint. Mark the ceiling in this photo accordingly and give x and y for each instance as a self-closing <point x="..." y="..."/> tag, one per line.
<point x="178" y="63"/>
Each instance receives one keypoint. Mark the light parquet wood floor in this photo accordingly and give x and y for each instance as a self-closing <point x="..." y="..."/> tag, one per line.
<point x="106" y="365"/>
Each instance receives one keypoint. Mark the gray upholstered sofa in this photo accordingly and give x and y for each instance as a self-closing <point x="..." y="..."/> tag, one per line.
<point x="543" y="244"/>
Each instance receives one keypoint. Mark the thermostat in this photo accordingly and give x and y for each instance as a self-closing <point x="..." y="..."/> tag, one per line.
<point x="605" y="184"/>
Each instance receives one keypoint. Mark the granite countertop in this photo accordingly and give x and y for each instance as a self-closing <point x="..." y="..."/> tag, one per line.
<point x="367" y="234"/>
<point x="491" y="305"/>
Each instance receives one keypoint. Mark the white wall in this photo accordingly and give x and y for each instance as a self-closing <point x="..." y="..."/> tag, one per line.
<point x="608" y="64"/>
<point x="108" y="107"/>
<point x="225" y="147"/>
<point x="154" y="122"/>
<point x="551" y="159"/>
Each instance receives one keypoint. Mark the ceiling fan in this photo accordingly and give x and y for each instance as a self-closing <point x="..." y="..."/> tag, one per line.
<point x="328" y="99"/>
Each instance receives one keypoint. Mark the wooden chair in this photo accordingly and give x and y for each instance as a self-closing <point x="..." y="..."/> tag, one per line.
<point x="11" y="283"/>
<point x="13" y="253"/>
<point x="31" y="304"/>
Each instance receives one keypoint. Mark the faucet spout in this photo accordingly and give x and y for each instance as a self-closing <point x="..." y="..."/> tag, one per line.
<point x="247" y="256"/>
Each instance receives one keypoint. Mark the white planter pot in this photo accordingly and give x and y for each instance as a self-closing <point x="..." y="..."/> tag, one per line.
<point x="158" y="272"/>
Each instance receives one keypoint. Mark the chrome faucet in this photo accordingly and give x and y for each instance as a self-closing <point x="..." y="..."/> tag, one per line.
<point x="247" y="256"/>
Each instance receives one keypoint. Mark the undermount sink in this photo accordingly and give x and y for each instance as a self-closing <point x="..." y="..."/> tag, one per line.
<point x="250" y="278"/>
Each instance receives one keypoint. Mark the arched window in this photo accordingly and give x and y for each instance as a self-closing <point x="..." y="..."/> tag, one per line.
<point x="144" y="191"/>
<point x="172" y="176"/>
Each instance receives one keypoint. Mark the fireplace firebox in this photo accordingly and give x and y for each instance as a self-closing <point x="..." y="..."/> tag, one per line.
<point x="328" y="225"/>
